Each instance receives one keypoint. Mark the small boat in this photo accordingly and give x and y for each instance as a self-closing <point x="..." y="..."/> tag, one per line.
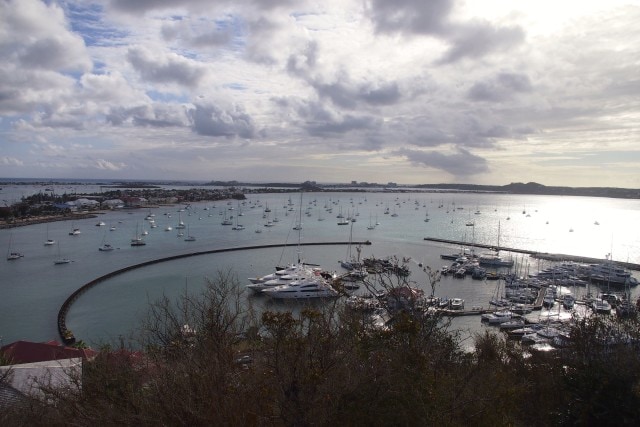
<point x="180" y="222"/>
<point x="456" y="304"/>
<point x="49" y="242"/>
<point x="106" y="247"/>
<point x="568" y="301"/>
<point x="61" y="259"/>
<point x="138" y="241"/>
<point x="498" y="317"/>
<point x="100" y="224"/>
<point x="601" y="306"/>
<point x="12" y="254"/>
<point x="74" y="232"/>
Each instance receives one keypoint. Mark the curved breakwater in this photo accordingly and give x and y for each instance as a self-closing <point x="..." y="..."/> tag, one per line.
<point x="68" y="337"/>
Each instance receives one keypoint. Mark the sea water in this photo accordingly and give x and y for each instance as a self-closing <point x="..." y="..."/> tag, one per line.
<point x="33" y="288"/>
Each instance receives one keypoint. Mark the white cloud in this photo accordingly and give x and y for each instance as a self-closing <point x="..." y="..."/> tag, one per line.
<point x="442" y="89"/>
<point x="10" y="161"/>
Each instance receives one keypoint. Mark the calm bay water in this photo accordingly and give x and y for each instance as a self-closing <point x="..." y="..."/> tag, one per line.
<point x="33" y="288"/>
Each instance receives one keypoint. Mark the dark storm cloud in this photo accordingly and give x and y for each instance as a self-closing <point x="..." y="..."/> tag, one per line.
<point x="210" y="120"/>
<point x="168" y="69"/>
<point x="460" y="164"/>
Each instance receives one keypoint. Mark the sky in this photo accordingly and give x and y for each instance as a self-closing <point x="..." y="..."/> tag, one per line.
<point x="406" y="91"/>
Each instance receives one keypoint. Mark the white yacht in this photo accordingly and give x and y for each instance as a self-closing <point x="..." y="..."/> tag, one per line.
<point x="282" y="277"/>
<point x="609" y="273"/>
<point x="306" y="288"/>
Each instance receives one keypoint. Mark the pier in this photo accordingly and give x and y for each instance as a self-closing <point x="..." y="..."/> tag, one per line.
<point x="68" y="337"/>
<point x="541" y="255"/>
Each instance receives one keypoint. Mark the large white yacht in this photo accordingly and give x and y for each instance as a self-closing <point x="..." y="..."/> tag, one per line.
<point x="305" y="288"/>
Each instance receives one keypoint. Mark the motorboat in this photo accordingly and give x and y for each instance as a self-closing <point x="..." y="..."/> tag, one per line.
<point x="306" y="288"/>
<point x="74" y="232"/>
<point x="610" y="274"/>
<point x="456" y="304"/>
<point x="601" y="306"/>
<point x="497" y="317"/>
<point x="568" y="301"/>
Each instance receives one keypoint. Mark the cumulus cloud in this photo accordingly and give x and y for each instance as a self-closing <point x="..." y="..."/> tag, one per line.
<point x="151" y="115"/>
<point x="435" y="80"/>
<point x="211" y="120"/>
<point x="10" y="161"/>
<point x="467" y="39"/>
<point x="36" y="35"/>
<point x="165" y="67"/>
<point x="103" y="164"/>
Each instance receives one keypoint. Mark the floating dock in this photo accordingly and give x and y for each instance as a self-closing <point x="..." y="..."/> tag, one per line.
<point x="535" y="254"/>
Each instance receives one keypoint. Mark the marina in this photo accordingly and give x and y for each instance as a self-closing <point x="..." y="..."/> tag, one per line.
<point x="35" y="289"/>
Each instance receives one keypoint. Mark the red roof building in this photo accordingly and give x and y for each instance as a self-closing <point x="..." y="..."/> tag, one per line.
<point x="30" y="352"/>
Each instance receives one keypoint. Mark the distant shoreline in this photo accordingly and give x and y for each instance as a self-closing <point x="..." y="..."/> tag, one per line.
<point x="516" y="188"/>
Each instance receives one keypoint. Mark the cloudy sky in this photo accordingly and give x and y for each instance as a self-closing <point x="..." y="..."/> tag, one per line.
<point x="410" y="91"/>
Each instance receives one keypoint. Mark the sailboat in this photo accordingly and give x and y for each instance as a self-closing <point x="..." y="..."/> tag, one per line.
<point x="105" y="247"/>
<point x="189" y="237"/>
<point x="493" y="258"/>
<point x="350" y="262"/>
<point x="74" y="231"/>
<point x="237" y="227"/>
<point x="371" y="226"/>
<point x="11" y="254"/>
<point x="61" y="259"/>
<point x="137" y="240"/>
<point x="49" y="242"/>
<point x="226" y="220"/>
<point x="180" y="222"/>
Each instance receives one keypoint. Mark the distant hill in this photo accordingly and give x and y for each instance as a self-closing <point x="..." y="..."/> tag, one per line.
<point x="513" y="188"/>
<point x="535" y="188"/>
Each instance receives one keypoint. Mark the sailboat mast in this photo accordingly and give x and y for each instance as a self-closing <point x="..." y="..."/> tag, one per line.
<point x="300" y="229"/>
